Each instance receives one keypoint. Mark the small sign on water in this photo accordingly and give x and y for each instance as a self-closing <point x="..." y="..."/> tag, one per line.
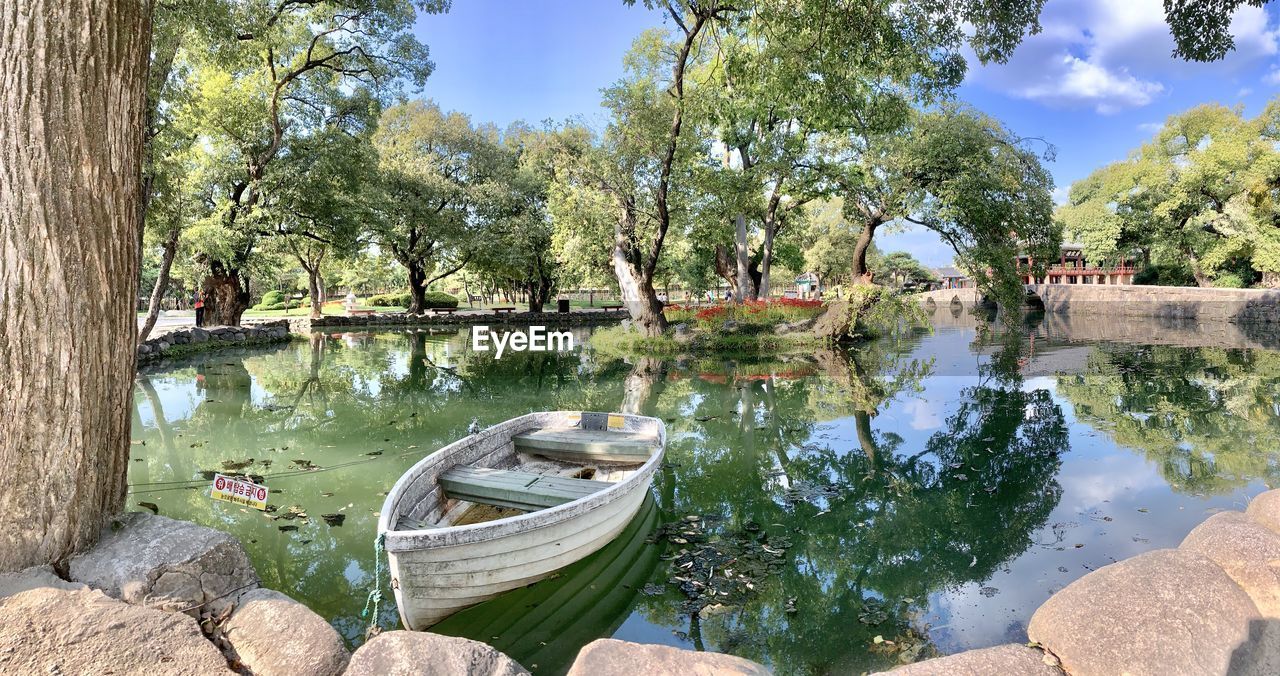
<point x="239" y="491"/>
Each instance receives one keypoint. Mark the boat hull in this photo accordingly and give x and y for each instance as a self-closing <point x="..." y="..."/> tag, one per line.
<point x="436" y="572"/>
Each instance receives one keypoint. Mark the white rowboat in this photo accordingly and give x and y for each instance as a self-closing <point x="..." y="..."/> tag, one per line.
<point x="567" y="483"/>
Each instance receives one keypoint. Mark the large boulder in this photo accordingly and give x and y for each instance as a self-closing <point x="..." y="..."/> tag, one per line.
<point x="33" y="578"/>
<point x="173" y="565"/>
<point x="418" y="653"/>
<point x="59" y="631"/>
<point x="273" y="634"/>
<point x="611" y="657"/>
<point x="1248" y="551"/>
<point x="1168" y="611"/>
<point x="1002" y="659"/>
<point x="1265" y="509"/>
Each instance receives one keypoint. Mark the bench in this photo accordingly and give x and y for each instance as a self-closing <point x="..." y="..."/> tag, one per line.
<point x="444" y="310"/>
<point x="503" y="310"/>
<point x="611" y="306"/>
<point x="519" y="490"/>
<point x="578" y="444"/>
<point x="359" y="313"/>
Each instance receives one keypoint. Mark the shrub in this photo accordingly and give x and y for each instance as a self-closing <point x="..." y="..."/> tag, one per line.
<point x="433" y="298"/>
<point x="1229" y="280"/>
<point x="390" y="300"/>
<point x="272" y="298"/>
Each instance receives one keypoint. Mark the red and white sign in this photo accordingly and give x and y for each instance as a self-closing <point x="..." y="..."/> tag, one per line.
<point x="239" y="491"/>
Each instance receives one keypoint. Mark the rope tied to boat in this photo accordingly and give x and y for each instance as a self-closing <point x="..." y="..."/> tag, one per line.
<point x="375" y="596"/>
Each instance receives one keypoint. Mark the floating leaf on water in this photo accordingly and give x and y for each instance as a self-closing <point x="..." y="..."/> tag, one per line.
<point x="138" y="442"/>
<point x="236" y="464"/>
<point x="1143" y="509"/>
<point x="326" y="494"/>
<point x="155" y="509"/>
<point x="286" y="529"/>
<point x="377" y="452"/>
<point x="334" y="519"/>
<point x="878" y="639"/>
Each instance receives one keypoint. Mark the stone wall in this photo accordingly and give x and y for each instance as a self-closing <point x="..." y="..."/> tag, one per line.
<point x="209" y="337"/>
<point x="1169" y="302"/>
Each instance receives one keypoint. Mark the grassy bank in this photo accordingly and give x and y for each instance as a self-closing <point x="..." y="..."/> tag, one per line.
<point x="767" y="327"/>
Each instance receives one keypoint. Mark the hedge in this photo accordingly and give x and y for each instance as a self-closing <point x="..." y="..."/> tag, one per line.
<point x="434" y="299"/>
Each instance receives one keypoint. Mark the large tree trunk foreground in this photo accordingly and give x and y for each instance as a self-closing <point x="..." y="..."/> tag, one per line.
<point x="72" y="99"/>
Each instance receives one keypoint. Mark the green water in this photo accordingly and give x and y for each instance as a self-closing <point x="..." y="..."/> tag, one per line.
<point x="931" y="490"/>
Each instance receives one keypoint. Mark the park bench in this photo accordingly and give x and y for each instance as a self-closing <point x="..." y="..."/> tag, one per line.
<point x="611" y="306"/>
<point x="580" y="445"/>
<point x="444" y="310"/>
<point x="354" y="312"/>
<point x="503" y="310"/>
<point x="520" y="490"/>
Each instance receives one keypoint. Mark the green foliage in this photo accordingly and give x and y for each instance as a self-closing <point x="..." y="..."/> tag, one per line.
<point x="272" y="298"/>
<point x="1200" y="195"/>
<point x="434" y="299"/>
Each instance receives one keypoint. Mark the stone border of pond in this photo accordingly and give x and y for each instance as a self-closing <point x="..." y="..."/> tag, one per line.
<point x="1210" y="606"/>
<point x="186" y="341"/>
<point x="181" y="342"/>
<point x="160" y="595"/>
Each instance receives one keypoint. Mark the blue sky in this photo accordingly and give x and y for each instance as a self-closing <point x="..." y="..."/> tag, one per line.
<point x="1096" y="82"/>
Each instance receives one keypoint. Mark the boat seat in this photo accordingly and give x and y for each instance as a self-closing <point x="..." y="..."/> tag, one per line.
<point x="509" y="488"/>
<point x="571" y="443"/>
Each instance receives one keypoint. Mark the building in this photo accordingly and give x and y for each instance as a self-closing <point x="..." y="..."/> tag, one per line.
<point x="1072" y="268"/>
<point x="808" y="284"/>
<point x="951" y="277"/>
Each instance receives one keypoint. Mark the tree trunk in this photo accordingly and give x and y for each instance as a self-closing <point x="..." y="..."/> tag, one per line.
<point x="72" y="99"/>
<point x="313" y="289"/>
<point x="861" y="275"/>
<point x="636" y="290"/>
<point x="162" y="283"/>
<point x="742" y="291"/>
<point x="766" y="261"/>
<point x="226" y="296"/>
<point x="417" y="288"/>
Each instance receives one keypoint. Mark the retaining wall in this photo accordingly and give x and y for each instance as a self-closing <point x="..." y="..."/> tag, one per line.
<point x="1171" y="302"/>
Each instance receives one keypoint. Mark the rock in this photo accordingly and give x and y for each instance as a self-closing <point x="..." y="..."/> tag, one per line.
<point x="59" y="631"/>
<point x="729" y="326"/>
<point x="406" y="653"/>
<point x="274" y="634"/>
<point x="174" y="565"/>
<point x="199" y="335"/>
<point x="237" y="336"/>
<point x="1168" y="611"/>
<point x="33" y="578"/>
<point x="682" y="333"/>
<point x="1265" y="509"/>
<point x="1248" y="551"/>
<point x="144" y="349"/>
<point x="1010" y="658"/>
<point x="611" y="657"/>
<point x="161" y="345"/>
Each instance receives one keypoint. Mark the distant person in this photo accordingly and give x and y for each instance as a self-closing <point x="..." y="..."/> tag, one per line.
<point x="199" y="309"/>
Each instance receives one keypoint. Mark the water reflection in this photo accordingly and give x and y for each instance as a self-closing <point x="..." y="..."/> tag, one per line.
<point x="930" y="490"/>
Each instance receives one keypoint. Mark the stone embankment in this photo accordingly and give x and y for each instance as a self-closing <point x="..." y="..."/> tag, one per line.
<point x="1211" y="606"/>
<point x="1168" y="302"/>
<point x="158" y="596"/>
<point x="182" y="341"/>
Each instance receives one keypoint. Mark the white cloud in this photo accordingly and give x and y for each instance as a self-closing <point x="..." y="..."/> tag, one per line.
<point x="1061" y="194"/>
<point x="1273" y="78"/>
<point x="1112" y="56"/>
<point x="1244" y="91"/>
<point x="1150" y="127"/>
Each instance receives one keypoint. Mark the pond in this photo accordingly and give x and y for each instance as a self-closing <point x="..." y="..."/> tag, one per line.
<point x="825" y="513"/>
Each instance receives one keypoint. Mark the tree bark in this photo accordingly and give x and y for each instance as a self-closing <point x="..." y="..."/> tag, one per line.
<point x="742" y="258"/>
<point x="226" y="296"/>
<point x="313" y="290"/>
<point x="861" y="275"/>
<point x="72" y="106"/>
<point x="766" y="261"/>
<point x="417" y="287"/>
<point x="162" y="280"/>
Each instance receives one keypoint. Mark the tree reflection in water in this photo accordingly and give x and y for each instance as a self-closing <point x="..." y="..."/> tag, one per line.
<point x="875" y="529"/>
